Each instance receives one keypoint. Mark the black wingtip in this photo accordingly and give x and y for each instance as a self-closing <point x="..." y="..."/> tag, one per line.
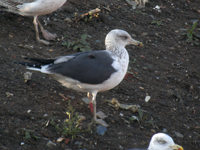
<point x="35" y="62"/>
<point x="28" y="64"/>
<point x="40" y="61"/>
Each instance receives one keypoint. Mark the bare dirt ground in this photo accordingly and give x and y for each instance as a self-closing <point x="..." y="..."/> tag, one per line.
<point x="167" y="69"/>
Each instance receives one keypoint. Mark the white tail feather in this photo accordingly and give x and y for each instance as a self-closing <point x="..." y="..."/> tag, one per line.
<point x="32" y="68"/>
<point x="43" y="69"/>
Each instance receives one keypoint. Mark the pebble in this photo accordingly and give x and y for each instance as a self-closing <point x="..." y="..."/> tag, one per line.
<point x="178" y="134"/>
<point x="164" y="130"/>
<point x="133" y="118"/>
<point x="144" y="34"/>
<point x="8" y="94"/>
<point x="101" y="130"/>
<point x="27" y="76"/>
<point x="45" y="115"/>
<point x="68" y="20"/>
<point x="60" y="139"/>
<point x="121" y="147"/>
<point x="85" y="100"/>
<point x="28" y="111"/>
<point x="157" y="8"/>
<point x="147" y="99"/>
<point x="121" y="114"/>
<point x="51" y="144"/>
<point x="78" y="143"/>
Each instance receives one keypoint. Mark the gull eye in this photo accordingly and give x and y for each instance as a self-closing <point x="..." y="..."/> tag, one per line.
<point x="124" y="37"/>
<point x="161" y="141"/>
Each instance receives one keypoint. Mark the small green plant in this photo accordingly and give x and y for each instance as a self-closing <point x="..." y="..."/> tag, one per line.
<point x="29" y="134"/>
<point x="157" y="22"/>
<point x="143" y="118"/>
<point x="192" y="37"/>
<point x="80" y="45"/>
<point x="70" y="127"/>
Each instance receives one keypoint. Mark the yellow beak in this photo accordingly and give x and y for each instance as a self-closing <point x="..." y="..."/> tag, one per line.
<point x="177" y="147"/>
<point x="137" y="43"/>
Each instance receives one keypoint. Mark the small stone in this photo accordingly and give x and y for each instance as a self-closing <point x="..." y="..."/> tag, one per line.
<point x="27" y="76"/>
<point x="51" y="144"/>
<point x="134" y="118"/>
<point x="78" y="143"/>
<point x="144" y="34"/>
<point x="164" y="130"/>
<point x="147" y="98"/>
<point x="101" y="115"/>
<point x="45" y="115"/>
<point x="98" y="41"/>
<point x="121" y="147"/>
<point x="28" y="111"/>
<point x="22" y="143"/>
<point x="141" y="88"/>
<point x="68" y="20"/>
<point x="121" y="114"/>
<point x="101" y="130"/>
<point x="157" y="8"/>
<point x="178" y="134"/>
<point x="60" y="139"/>
<point x="85" y="100"/>
<point x="8" y="94"/>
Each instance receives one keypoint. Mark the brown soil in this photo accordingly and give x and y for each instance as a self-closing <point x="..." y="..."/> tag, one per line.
<point x="167" y="69"/>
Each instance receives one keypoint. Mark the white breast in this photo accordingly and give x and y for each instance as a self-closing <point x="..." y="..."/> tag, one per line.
<point x="40" y="7"/>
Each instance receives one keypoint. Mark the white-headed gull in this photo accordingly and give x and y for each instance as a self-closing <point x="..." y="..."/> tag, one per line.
<point x="93" y="71"/>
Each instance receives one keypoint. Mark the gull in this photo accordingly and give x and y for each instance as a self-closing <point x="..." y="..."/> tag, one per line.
<point x="34" y="8"/>
<point x="161" y="141"/>
<point x="93" y="71"/>
<point x="141" y="3"/>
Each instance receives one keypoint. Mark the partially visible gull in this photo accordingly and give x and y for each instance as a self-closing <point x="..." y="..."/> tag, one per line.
<point x="34" y="8"/>
<point x="93" y="71"/>
<point x="161" y="141"/>
<point x="137" y="3"/>
<point x="141" y="3"/>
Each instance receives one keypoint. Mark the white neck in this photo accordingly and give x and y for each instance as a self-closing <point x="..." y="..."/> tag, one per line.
<point x="116" y="48"/>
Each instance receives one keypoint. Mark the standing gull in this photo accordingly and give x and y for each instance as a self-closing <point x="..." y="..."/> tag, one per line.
<point x="34" y="8"/>
<point x="161" y="141"/>
<point x="93" y="71"/>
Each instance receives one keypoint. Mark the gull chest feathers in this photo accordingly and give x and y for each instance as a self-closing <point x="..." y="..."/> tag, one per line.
<point x="40" y="7"/>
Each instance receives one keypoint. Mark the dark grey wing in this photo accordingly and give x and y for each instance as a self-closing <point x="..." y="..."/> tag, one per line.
<point x="11" y="5"/>
<point x="91" y="67"/>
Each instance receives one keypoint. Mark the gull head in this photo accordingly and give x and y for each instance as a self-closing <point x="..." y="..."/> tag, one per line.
<point x="161" y="141"/>
<point x="119" y="38"/>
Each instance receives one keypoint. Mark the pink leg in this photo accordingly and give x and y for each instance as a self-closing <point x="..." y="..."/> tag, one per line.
<point x="47" y="35"/>
<point x="35" y="22"/>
